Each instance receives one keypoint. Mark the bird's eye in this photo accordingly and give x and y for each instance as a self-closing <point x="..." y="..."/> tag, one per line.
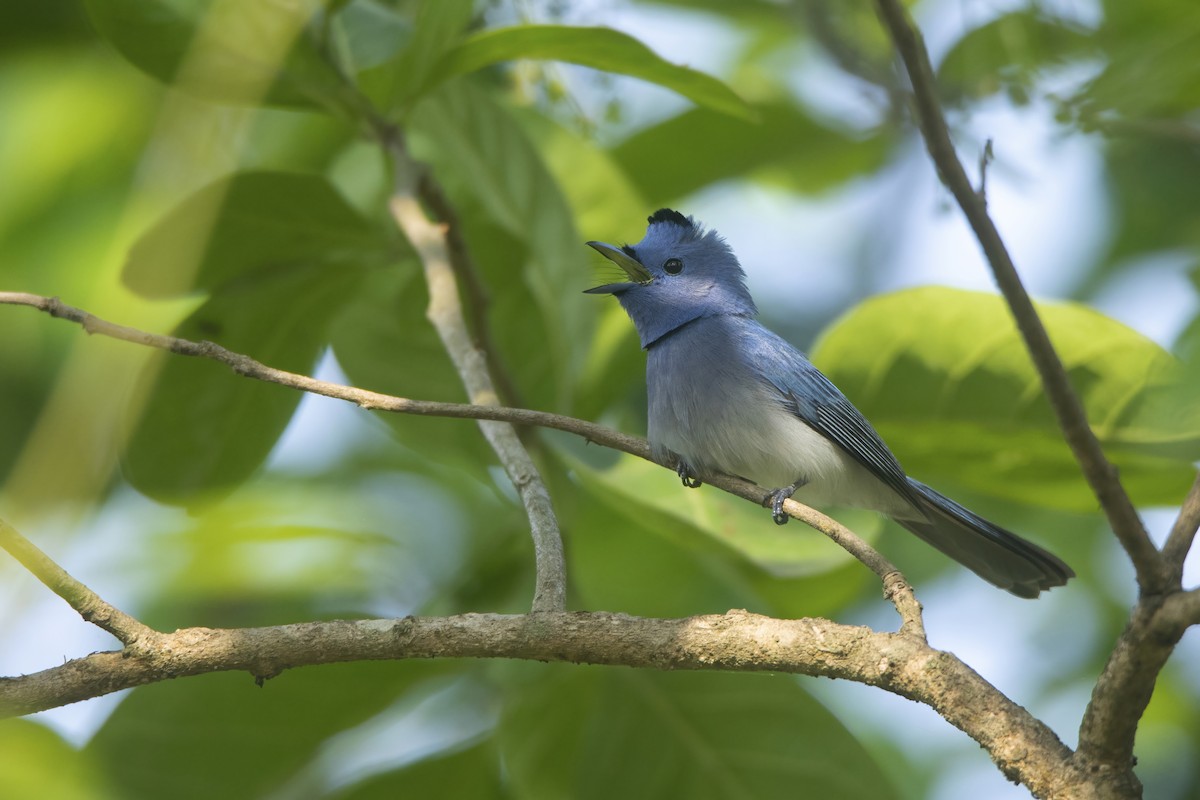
<point x="673" y="266"/>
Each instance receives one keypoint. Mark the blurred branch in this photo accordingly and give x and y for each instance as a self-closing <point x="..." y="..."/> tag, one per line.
<point x="90" y="606"/>
<point x="1123" y="690"/>
<point x="433" y="243"/>
<point x="896" y="588"/>
<point x="738" y="641"/>
<point x="1183" y="533"/>
<point x="1101" y="475"/>
<point x="478" y="300"/>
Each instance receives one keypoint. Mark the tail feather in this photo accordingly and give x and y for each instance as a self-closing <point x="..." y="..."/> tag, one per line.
<point x="994" y="554"/>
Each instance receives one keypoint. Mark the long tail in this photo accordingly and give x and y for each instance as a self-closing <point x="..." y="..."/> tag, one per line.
<point x="994" y="554"/>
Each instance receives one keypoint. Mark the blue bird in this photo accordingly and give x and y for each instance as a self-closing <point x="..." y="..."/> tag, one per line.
<point x="727" y="395"/>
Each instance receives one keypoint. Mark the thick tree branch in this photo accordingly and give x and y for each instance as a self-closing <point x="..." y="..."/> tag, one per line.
<point x="1101" y="475"/>
<point x="1124" y="688"/>
<point x="432" y="243"/>
<point x="896" y="588"/>
<point x="1024" y="748"/>
<point x="91" y="607"/>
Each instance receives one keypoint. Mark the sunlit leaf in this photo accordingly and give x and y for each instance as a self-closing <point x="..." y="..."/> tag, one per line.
<point x="678" y="734"/>
<point x="627" y="555"/>
<point x="237" y="53"/>
<point x="945" y="378"/>
<point x="600" y="48"/>
<point x="638" y="487"/>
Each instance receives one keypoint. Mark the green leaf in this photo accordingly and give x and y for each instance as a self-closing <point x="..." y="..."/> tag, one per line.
<point x="637" y="487"/>
<point x="702" y="736"/>
<point x="371" y="34"/>
<point x="600" y="48"/>
<point x="626" y="555"/>
<point x="260" y="736"/>
<point x="204" y="430"/>
<point x="1151" y="71"/>
<point x="785" y="146"/>
<point x="384" y="342"/>
<point x="439" y="25"/>
<point x="600" y="196"/>
<point x="472" y="773"/>
<point x="945" y="378"/>
<point x="487" y="159"/>
<point x="236" y="53"/>
<point x="38" y="763"/>
<point x="1009" y="52"/>
<point x="251" y="221"/>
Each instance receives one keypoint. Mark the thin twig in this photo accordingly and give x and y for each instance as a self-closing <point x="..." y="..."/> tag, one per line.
<point x="896" y="588"/>
<point x="985" y="160"/>
<point x="90" y="606"/>
<point x="1100" y="474"/>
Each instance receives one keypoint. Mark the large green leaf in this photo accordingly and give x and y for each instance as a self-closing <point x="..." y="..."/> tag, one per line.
<point x="471" y="773"/>
<point x="631" y="556"/>
<point x="384" y="343"/>
<point x="785" y="146"/>
<point x="600" y="48"/>
<point x="239" y="53"/>
<point x="678" y="734"/>
<point x="487" y="160"/>
<point x="249" y="221"/>
<point x="945" y="378"/>
<point x="259" y="737"/>
<point x="205" y="430"/>
<point x="640" y="488"/>
<point x="38" y="763"/>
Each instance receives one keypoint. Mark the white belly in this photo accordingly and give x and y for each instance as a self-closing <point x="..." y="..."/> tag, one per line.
<point x="717" y="417"/>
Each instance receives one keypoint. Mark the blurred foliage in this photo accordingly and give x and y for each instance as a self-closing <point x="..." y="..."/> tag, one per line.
<point x="203" y="165"/>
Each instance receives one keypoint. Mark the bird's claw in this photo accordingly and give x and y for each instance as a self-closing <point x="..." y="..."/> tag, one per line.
<point x="687" y="476"/>
<point x="775" y="500"/>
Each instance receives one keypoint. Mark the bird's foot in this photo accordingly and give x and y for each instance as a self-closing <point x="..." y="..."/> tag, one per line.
<point x="687" y="476"/>
<point x="775" y="501"/>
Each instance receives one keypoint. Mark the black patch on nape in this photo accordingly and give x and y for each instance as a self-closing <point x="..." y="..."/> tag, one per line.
<point x="672" y="216"/>
<point x="629" y="251"/>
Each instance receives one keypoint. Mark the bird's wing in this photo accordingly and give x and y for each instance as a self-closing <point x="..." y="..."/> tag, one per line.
<point x="819" y="404"/>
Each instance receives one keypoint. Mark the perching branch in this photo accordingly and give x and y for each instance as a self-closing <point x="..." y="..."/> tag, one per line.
<point x="1101" y="475"/>
<point x="896" y="588"/>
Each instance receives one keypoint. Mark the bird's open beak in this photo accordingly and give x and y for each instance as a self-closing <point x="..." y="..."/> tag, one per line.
<point x="638" y="274"/>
